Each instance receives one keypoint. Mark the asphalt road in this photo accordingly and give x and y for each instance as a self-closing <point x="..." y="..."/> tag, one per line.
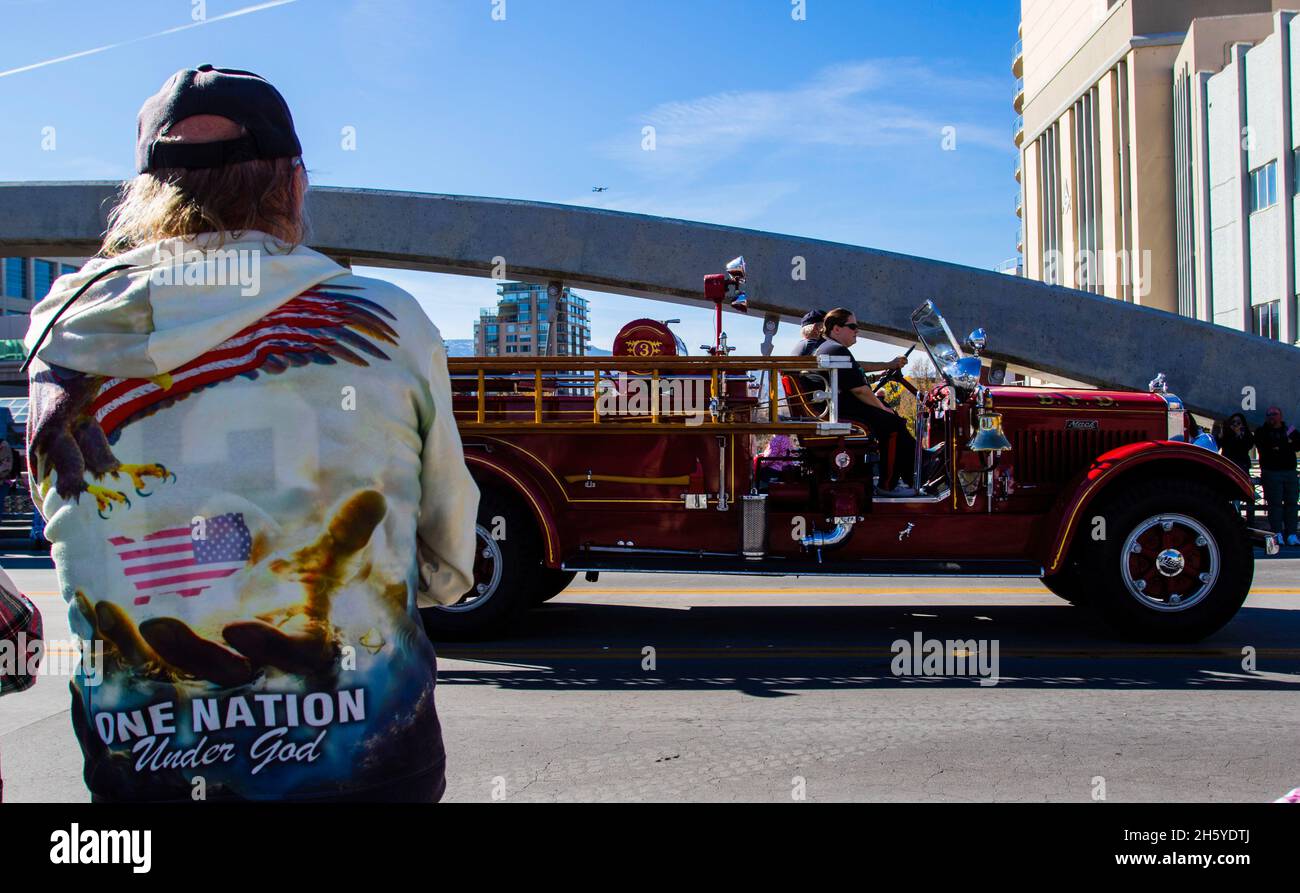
<point x="770" y="689"/>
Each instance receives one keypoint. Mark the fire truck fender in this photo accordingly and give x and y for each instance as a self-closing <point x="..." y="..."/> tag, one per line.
<point x="1160" y="458"/>
<point x="510" y="476"/>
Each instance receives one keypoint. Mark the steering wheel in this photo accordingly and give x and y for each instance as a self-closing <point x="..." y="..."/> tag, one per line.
<point x="896" y="375"/>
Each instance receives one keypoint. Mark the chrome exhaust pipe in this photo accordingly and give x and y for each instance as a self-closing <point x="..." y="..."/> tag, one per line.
<point x="838" y="534"/>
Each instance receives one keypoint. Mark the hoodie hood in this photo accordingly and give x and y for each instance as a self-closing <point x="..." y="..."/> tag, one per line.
<point x="179" y="298"/>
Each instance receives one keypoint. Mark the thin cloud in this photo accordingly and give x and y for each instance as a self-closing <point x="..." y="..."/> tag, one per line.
<point x="247" y="10"/>
<point x="867" y="104"/>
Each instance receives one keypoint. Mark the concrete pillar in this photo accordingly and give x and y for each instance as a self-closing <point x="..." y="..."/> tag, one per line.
<point x="1285" y="177"/>
<point x="1153" y="207"/>
<point x="1069" y="195"/>
<point x="1108" y="211"/>
<point x="1238" y="55"/>
<point x="1201" y="195"/>
<point x="1029" y="172"/>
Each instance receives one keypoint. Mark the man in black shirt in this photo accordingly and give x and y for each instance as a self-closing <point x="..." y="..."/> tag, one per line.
<point x="812" y="334"/>
<point x="858" y="403"/>
<point x="1278" y="444"/>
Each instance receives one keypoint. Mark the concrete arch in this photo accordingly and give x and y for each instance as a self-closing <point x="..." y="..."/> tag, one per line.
<point x="1054" y="330"/>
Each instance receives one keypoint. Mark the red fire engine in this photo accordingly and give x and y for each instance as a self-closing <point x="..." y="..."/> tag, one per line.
<point x="646" y="462"/>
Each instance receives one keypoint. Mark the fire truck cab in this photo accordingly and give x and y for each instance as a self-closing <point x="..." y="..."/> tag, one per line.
<point x="650" y="461"/>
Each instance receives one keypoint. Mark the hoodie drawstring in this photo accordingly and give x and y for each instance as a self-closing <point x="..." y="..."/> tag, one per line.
<point x="31" y="355"/>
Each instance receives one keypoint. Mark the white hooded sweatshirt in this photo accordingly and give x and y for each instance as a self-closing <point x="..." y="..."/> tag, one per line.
<point x="240" y="451"/>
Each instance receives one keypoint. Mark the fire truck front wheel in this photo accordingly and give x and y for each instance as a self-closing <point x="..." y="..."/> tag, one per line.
<point x="507" y="557"/>
<point x="550" y="583"/>
<point x="1071" y="584"/>
<point x="1174" y="563"/>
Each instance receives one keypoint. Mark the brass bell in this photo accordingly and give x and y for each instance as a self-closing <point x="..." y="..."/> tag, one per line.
<point x="989" y="438"/>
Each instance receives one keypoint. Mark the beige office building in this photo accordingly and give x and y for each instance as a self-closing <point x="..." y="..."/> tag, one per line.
<point x="1095" y="128"/>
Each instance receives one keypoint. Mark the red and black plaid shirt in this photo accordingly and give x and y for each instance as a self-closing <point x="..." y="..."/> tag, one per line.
<point x="20" y="625"/>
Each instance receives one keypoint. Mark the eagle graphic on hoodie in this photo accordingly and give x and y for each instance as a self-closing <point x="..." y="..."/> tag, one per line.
<point x="250" y="487"/>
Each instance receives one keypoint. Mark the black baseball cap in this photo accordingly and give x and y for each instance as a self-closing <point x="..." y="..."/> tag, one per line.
<point x="812" y="316"/>
<point x="243" y="97"/>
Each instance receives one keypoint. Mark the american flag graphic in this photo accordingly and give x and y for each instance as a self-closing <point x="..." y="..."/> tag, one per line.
<point x="318" y="326"/>
<point x="174" y="562"/>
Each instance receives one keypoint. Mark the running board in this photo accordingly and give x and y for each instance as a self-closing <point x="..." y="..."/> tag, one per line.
<point x="774" y="566"/>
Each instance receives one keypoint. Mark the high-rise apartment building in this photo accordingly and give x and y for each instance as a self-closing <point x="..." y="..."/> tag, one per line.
<point x="1098" y="154"/>
<point x="533" y="320"/>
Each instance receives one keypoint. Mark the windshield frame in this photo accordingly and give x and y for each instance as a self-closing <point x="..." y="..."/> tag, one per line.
<point x="929" y="309"/>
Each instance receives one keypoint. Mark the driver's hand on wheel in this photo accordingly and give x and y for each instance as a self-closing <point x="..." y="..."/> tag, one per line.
<point x="898" y="362"/>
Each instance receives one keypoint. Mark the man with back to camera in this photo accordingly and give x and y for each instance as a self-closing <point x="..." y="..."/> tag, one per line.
<point x="249" y="485"/>
<point x="858" y="403"/>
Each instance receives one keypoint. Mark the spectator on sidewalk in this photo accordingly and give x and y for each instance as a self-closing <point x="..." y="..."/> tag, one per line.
<point x="1278" y="443"/>
<point x="292" y="537"/>
<point x="8" y="465"/>
<point x="1236" y="440"/>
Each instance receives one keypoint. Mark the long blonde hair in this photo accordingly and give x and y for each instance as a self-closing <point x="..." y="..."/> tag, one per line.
<point x="177" y="202"/>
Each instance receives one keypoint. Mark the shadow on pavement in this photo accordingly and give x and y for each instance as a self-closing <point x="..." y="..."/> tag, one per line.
<point x="778" y="650"/>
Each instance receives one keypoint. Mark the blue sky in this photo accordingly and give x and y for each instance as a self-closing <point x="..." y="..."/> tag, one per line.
<point x="830" y="127"/>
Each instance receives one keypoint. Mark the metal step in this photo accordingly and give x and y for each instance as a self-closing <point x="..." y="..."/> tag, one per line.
<point x="689" y="563"/>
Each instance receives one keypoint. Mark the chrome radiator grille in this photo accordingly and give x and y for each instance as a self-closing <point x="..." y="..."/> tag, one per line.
<point x="1053" y="457"/>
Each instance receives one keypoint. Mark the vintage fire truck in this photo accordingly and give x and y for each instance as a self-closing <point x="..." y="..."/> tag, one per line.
<point x="647" y="462"/>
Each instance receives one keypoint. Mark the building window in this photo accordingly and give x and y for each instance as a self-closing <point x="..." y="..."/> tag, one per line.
<point x="69" y="268"/>
<point x="15" y="278"/>
<point x="45" y="273"/>
<point x="1266" y="320"/>
<point x="1263" y="187"/>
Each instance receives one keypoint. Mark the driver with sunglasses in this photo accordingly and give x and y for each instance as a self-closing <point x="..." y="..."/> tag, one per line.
<point x="858" y="403"/>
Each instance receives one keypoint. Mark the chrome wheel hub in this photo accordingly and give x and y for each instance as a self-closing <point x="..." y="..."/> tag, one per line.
<point x="487" y="573"/>
<point x="1170" y="562"/>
